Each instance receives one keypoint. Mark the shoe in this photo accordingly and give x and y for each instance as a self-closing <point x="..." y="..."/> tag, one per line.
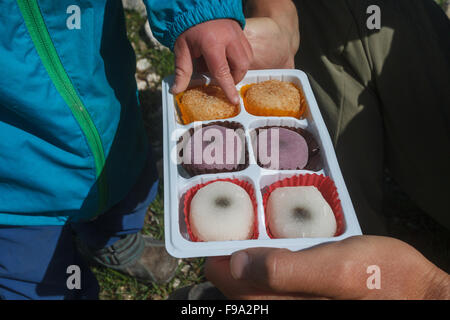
<point x="135" y="255"/>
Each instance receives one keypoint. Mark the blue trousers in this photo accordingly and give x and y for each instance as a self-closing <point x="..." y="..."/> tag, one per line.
<point x="34" y="261"/>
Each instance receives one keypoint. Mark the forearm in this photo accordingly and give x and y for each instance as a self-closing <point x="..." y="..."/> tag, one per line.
<point x="283" y="12"/>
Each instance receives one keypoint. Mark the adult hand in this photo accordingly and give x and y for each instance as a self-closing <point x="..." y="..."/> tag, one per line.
<point x="272" y="46"/>
<point x="222" y="45"/>
<point x="272" y="29"/>
<point x="330" y="271"/>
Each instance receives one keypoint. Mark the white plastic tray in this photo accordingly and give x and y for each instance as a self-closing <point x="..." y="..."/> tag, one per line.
<point x="175" y="184"/>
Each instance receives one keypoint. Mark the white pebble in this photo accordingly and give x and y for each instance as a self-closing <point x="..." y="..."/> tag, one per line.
<point x="141" y="85"/>
<point x="185" y="269"/>
<point x="142" y="65"/>
<point x="176" y="283"/>
<point x="153" y="78"/>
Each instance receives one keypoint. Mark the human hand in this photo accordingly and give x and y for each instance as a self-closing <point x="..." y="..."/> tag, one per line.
<point x="223" y="47"/>
<point x="330" y="271"/>
<point x="272" y="29"/>
<point x="272" y="47"/>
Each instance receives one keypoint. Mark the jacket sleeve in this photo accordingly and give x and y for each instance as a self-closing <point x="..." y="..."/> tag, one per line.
<point x="170" y="18"/>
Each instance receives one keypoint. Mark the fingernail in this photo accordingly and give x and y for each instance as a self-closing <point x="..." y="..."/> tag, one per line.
<point x="238" y="264"/>
<point x="173" y="89"/>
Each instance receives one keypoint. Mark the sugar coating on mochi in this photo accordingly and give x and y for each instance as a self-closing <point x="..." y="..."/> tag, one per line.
<point x="221" y="211"/>
<point x="300" y="212"/>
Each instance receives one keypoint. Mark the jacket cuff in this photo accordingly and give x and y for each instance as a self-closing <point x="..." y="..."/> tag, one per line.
<point x="206" y="11"/>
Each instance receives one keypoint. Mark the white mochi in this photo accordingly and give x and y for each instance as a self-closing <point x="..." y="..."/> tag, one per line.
<point x="221" y="211"/>
<point x="300" y="212"/>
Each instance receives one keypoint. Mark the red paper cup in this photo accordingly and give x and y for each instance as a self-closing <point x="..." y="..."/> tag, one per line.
<point x="324" y="184"/>
<point x="189" y="195"/>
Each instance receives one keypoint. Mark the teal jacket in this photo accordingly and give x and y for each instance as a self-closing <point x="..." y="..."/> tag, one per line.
<point x="72" y="141"/>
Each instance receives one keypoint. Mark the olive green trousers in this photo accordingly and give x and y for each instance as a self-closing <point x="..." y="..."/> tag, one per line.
<point x="385" y="97"/>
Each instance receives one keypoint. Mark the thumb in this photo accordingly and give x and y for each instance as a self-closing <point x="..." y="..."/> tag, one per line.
<point x="264" y="268"/>
<point x="311" y="272"/>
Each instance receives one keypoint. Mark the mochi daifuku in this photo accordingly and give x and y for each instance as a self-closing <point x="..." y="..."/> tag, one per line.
<point x="214" y="148"/>
<point x="300" y="212"/>
<point x="273" y="98"/>
<point x="221" y="211"/>
<point x="207" y="102"/>
<point x="288" y="152"/>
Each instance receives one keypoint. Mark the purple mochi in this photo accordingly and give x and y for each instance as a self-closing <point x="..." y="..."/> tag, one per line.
<point x="230" y="144"/>
<point x="292" y="149"/>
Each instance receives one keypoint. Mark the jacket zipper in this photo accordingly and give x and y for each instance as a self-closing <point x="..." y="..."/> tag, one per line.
<point x="41" y="38"/>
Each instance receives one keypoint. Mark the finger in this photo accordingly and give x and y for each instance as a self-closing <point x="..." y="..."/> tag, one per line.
<point x="238" y="61"/>
<point x="183" y="67"/>
<point x="217" y="63"/>
<point x="317" y="271"/>
<point x="217" y="270"/>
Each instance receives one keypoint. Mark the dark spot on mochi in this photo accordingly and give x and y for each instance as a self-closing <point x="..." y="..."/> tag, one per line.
<point x="301" y="214"/>
<point x="222" y="202"/>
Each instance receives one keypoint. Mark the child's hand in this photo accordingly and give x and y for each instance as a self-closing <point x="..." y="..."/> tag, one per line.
<point x="223" y="47"/>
